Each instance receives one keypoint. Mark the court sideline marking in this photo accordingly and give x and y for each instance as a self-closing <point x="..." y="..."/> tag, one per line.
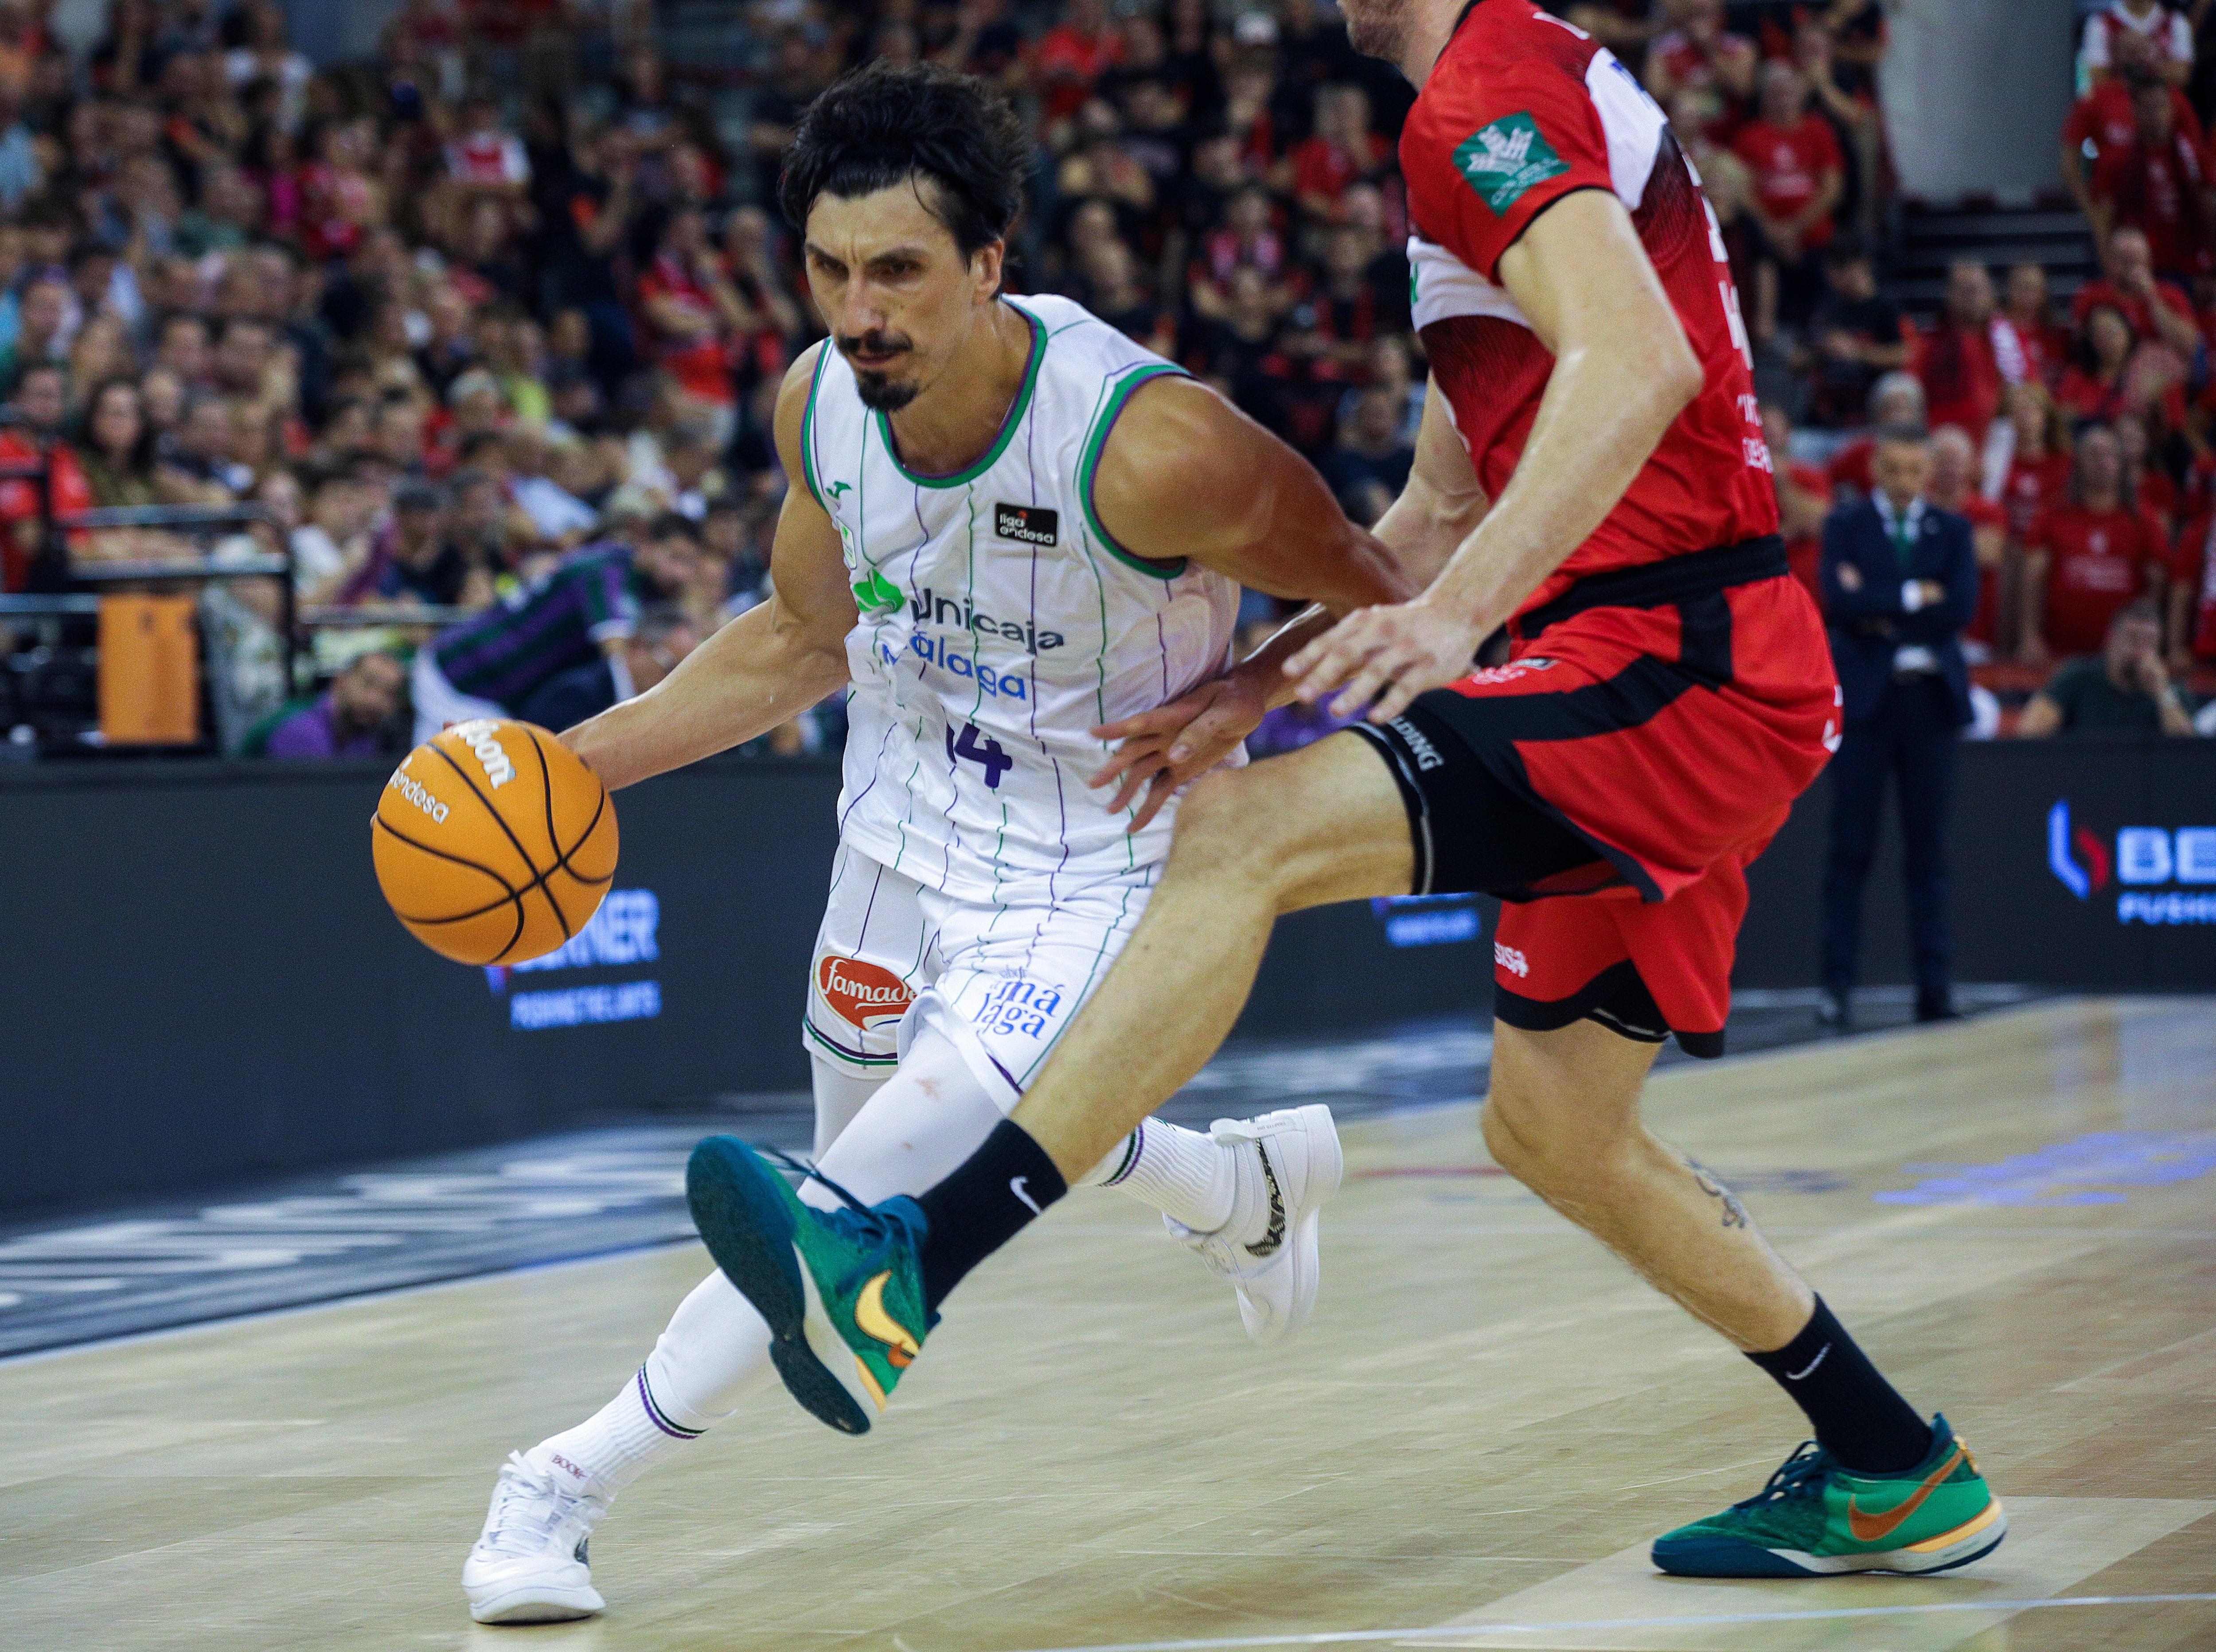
<point x="1463" y="1632"/>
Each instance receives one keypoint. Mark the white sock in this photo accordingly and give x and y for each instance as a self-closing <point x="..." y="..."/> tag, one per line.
<point x="614" y="1445"/>
<point x="714" y="1354"/>
<point x="1181" y="1173"/>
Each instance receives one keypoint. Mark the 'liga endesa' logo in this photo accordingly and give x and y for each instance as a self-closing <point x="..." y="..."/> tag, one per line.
<point x="864" y="994"/>
<point x="2146" y="859"/>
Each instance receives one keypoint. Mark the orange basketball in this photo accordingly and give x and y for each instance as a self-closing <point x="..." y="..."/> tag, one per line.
<point x="493" y="842"/>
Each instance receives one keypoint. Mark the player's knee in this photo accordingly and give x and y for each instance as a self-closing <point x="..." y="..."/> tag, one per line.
<point x="1219" y="834"/>
<point x="1550" y="1151"/>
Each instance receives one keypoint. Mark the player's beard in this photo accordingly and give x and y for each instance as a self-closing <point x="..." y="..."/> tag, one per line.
<point x="878" y="389"/>
<point x="1378" y="29"/>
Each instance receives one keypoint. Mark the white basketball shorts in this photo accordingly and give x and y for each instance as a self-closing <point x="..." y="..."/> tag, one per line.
<point x="1000" y="982"/>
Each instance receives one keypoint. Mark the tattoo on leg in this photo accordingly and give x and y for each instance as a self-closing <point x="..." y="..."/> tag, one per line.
<point x="1713" y="1185"/>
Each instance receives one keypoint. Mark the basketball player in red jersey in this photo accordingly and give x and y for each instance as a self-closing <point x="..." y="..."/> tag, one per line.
<point x="1591" y="474"/>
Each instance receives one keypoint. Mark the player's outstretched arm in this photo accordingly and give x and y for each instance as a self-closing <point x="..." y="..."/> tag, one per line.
<point x="1623" y="371"/>
<point x="1187" y="476"/>
<point x="765" y="667"/>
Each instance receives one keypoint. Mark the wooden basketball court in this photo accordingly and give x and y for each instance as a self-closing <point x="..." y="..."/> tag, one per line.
<point x="1471" y="1447"/>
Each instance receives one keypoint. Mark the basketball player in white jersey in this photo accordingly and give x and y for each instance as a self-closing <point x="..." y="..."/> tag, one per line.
<point x="1012" y="531"/>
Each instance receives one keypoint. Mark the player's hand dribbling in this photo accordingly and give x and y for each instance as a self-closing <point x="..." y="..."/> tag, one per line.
<point x="1384" y="657"/>
<point x="1178" y="742"/>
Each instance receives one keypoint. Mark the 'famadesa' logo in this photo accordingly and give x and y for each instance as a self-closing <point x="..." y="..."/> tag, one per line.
<point x="863" y="994"/>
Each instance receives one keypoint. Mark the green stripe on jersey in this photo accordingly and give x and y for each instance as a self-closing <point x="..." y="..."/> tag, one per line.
<point x="808" y="427"/>
<point x="1088" y="468"/>
<point x="1016" y="409"/>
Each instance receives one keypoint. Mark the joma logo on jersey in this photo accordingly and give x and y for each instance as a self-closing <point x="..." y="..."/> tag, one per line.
<point x="926" y="607"/>
<point x="1018" y="1006"/>
<point x="1501" y="161"/>
<point x="1030" y="524"/>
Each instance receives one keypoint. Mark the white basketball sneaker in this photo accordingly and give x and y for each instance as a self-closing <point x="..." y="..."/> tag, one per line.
<point x="529" y="1565"/>
<point x="1289" y="1164"/>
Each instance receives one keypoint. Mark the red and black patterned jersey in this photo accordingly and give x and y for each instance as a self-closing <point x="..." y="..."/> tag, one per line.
<point x="1521" y="110"/>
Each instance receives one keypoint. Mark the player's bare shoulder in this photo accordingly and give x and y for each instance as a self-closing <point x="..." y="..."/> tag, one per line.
<point x="1180" y="465"/>
<point x="793" y="397"/>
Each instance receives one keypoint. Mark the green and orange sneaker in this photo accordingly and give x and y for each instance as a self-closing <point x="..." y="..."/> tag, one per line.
<point x="843" y="1289"/>
<point x="1817" y="1517"/>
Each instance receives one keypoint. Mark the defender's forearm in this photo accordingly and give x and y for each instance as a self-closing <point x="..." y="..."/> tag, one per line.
<point x="1603" y="416"/>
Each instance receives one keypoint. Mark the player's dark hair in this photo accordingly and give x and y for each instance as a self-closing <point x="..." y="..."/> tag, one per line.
<point x="883" y="124"/>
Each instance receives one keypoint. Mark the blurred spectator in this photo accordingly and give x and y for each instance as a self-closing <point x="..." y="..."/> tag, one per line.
<point x="2144" y="479"/>
<point x="2040" y="462"/>
<point x="2098" y="382"/>
<point x="115" y="447"/>
<point x="2168" y="34"/>
<point x="1342" y="150"/>
<point x="1896" y="403"/>
<point x="1369" y="465"/>
<point x="1900" y="582"/>
<point x="1793" y="157"/>
<point x="1243" y="354"/>
<point x="349" y="718"/>
<point x="2031" y="345"/>
<point x="2157" y="185"/>
<point x="582" y="608"/>
<point x="661" y="639"/>
<point x="1835" y="55"/>
<point x="1698" y="50"/>
<point x="2156" y="309"/>
<point x="693" y="313"/>
<point x="1073" y="55"/>
<point x="1854" y="335"/>
<point x="1953" y="487"/>
<point x="2089" y="557"/>
<point x="1624" y="26"/>
<point x="38" y="409"/>
<point x="2125" y="689"/>
<point x="1804" y="500"/>
<point x="2102" y="122"/>
<point x="43" y="327"/>
<point x="411" y="559"/>
<point x="1956" y="357"/>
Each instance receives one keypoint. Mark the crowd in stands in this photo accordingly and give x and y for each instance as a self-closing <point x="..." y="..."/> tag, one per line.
<point x="513" y="294"/>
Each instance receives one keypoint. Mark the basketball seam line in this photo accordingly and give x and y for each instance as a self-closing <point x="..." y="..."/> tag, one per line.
<point x="459" y="860"/>
<point x="538" y="879"/>
<point x="553" y="842"/>
<point x="515" y="896"/>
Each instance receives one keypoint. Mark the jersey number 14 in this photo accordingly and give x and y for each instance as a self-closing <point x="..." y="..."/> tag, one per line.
<point x="981" y="750"/>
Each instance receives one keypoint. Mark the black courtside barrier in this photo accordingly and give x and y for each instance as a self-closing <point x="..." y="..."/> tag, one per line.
<point x="198" y="980"/>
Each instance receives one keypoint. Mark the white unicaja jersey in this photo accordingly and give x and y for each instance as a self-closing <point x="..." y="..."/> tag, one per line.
<point x="999" y="623"/>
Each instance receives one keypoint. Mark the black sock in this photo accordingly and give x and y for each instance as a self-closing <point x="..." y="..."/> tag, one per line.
<point x="1857" y="1414"/>
<point x="992" y="1196"/>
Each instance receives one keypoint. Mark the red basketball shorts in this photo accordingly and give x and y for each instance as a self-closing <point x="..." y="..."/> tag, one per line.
<point x="1612" y="782"/>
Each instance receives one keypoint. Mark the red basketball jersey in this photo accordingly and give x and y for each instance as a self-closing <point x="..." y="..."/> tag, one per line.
<point x="1521" y="110"/>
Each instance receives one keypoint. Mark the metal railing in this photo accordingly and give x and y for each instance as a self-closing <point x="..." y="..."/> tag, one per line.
<point x="185" y="519"/>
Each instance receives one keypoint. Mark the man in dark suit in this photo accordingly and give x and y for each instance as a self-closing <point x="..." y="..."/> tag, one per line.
<point x="1900" y="580"/>
<point x="663" y="636"/>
